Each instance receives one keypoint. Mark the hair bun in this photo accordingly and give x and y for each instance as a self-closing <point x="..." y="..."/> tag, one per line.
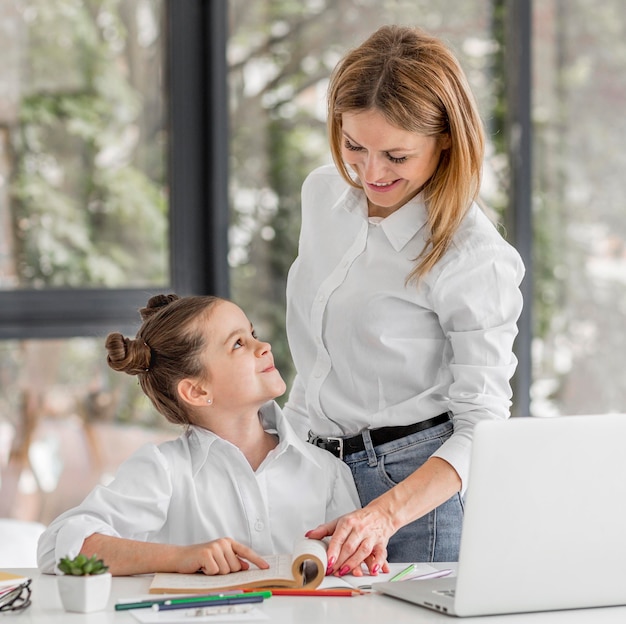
<point x="127" y="355"/>
<point x="156" y="303"/>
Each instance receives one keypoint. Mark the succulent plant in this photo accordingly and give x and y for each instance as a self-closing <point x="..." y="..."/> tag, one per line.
<point x="82" y="566"/>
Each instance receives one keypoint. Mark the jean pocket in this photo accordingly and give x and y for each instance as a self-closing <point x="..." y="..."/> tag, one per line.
<point x="396" y="464"/>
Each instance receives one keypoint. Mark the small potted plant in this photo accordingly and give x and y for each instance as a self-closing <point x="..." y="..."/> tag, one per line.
<point x="84" y="584"/>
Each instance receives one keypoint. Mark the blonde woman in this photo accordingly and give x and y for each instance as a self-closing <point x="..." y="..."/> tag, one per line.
<point x="403" y="301"/>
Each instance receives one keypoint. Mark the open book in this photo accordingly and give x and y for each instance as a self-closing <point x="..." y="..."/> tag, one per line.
<point x="304" y="567"/>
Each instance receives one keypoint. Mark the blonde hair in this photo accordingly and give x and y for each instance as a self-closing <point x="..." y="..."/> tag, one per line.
<point x="418" y="85"/>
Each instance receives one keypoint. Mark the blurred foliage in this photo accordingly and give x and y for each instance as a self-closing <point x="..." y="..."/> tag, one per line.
<point x="89" y="208"/>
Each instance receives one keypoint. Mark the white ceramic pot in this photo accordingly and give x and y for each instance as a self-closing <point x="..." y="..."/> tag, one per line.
<point x="84" y="594"/>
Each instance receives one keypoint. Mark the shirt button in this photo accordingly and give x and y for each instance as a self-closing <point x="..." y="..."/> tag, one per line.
<point x="259" y="526"/>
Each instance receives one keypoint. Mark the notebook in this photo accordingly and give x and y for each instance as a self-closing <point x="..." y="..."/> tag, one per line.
<point x="545" y="520"/>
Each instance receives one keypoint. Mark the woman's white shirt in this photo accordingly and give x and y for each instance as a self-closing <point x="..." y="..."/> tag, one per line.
<point x="199" y="487"/>
<point x="372" y="350"/>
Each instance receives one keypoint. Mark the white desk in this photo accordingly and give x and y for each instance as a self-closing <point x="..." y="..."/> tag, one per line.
<point x="375" y="608"/>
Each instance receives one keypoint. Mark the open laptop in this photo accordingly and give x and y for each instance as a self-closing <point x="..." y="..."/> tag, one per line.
<point x="545" y="520"/>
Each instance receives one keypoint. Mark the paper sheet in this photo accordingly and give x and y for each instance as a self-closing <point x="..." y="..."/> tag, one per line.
<point x="177" y="616"/>
<point x="366" y="581"/>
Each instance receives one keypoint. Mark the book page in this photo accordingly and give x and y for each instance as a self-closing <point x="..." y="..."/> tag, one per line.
<point x="9" y="579"/>
<point x="309" y="562"/>
<point x="305" y="567"/>
<point x="279" y="572"/>
<point x="366" y="581"/>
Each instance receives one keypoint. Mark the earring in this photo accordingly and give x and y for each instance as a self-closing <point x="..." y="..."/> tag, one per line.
<point x="209" y="401"/>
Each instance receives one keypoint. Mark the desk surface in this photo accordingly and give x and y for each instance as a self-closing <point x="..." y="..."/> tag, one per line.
<point x="375" y="608"/>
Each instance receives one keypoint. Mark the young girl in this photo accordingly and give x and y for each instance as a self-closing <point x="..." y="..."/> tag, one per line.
<point x="237" y="484"/>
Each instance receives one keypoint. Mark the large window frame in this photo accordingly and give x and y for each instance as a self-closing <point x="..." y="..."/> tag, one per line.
<point x="198" y="198"/>
<point x="197" y="34"/>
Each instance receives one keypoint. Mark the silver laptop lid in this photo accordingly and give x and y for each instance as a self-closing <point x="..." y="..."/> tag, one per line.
<point x="545" y="521"/>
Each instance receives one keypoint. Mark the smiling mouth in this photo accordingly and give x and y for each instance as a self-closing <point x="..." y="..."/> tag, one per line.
<point x="382" y="186"/>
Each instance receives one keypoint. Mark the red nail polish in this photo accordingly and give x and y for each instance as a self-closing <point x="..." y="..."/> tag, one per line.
<point x="344" y="570"/>
<point x="375" y="569"/>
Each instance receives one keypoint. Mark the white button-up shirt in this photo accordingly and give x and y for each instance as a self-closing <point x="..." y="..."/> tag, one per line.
<point x="200" y="487"/>
<point x="372" y="350"/>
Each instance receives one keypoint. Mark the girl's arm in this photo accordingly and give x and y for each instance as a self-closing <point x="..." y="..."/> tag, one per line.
<point x="126" y="557"/>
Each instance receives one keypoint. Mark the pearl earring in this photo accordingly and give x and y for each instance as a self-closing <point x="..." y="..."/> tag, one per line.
<point x="209" y="401"/>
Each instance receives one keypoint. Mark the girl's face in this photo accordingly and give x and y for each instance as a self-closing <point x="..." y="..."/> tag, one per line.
<point x="392" y="164"/>
<point x="240" y="368"/>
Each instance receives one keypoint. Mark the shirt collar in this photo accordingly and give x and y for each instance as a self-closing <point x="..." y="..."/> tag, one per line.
<point x="399" y="227"/>
<point x="273" y="420"/>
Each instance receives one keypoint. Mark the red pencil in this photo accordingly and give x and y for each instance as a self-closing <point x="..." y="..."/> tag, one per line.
<point x="315" y="592"/>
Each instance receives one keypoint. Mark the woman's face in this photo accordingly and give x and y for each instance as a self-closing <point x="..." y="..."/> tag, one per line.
<point x="392" y="164"/>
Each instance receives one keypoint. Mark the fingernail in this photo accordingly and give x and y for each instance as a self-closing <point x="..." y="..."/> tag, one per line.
<point x="344" y="570"/>
<point x="375" y="569"/>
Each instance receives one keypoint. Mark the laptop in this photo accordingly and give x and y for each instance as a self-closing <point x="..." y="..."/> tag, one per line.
<point x="545" y="520"/>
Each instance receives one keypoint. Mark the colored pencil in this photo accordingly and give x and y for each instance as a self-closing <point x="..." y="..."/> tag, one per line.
<point x="315" y="592"/>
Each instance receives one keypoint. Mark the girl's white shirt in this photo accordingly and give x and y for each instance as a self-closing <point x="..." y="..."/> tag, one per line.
<point x="199" y="487"/>
<point x="372" y="350"/>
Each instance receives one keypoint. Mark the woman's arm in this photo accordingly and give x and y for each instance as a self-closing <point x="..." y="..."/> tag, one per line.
<point x="362" y="536"/>
<point x="126" y="557"/>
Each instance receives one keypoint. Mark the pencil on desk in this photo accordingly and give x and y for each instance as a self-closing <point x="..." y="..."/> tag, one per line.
<point x="403" y="573"/>
<point x="315" y="592"/>
<point x="233" y="600"/>
<point x="124" y="605"/>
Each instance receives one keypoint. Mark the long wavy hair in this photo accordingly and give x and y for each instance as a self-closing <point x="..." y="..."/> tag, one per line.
<point x="418" y="85"/>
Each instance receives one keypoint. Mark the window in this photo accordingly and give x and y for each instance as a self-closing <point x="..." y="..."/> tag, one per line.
<point x="100" y="208"/>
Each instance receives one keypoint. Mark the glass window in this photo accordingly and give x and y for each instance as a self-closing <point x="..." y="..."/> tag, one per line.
<point x="83" y="199"/>
<point x="280" y="55"/>
<point x="579" y="306"/>
<point x="84" y="212"/>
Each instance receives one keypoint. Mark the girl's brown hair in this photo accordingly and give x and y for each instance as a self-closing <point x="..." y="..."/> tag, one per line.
<point x="418" y="85"/>
<point x="165" y="350"/>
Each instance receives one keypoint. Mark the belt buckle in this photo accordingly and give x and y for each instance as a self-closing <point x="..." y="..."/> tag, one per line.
<point x="339" y="442"/>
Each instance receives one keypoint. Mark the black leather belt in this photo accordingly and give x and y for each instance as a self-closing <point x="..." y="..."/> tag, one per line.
<point x="340" y="447"/>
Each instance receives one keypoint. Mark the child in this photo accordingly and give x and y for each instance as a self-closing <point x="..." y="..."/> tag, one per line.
<point x="237" y="484"/>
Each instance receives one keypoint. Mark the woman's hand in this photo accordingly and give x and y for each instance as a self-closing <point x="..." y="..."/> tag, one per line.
<point x="220" y="556"/>
<point x="358" y="537"/>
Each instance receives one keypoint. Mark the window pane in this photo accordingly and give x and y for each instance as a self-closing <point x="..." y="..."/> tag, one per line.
<point x="280" y="55"/>
<point x="82" y="145"/>
<point x="67" y="422"/>
<point x="580" y="228"/>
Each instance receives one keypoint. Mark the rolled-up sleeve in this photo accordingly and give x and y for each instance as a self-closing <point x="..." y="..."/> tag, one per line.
<point x="478" y="301"/>
<point x="134" y="506"/>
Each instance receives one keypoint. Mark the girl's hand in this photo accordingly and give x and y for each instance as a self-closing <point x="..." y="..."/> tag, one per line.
<point x="220" y="556"/>
<point x="358" y="537"/>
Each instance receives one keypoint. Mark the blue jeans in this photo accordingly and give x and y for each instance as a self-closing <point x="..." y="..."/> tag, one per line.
<point x="435" y="536"/>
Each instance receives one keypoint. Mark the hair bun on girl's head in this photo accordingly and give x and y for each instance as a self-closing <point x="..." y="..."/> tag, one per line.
<point x="156" y="303"/>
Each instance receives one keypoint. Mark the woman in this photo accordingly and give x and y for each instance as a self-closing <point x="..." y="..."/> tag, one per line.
<point x="403" y="301"/>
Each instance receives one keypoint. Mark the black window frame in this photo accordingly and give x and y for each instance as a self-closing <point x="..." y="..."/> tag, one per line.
<point x="196" y="93"/>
